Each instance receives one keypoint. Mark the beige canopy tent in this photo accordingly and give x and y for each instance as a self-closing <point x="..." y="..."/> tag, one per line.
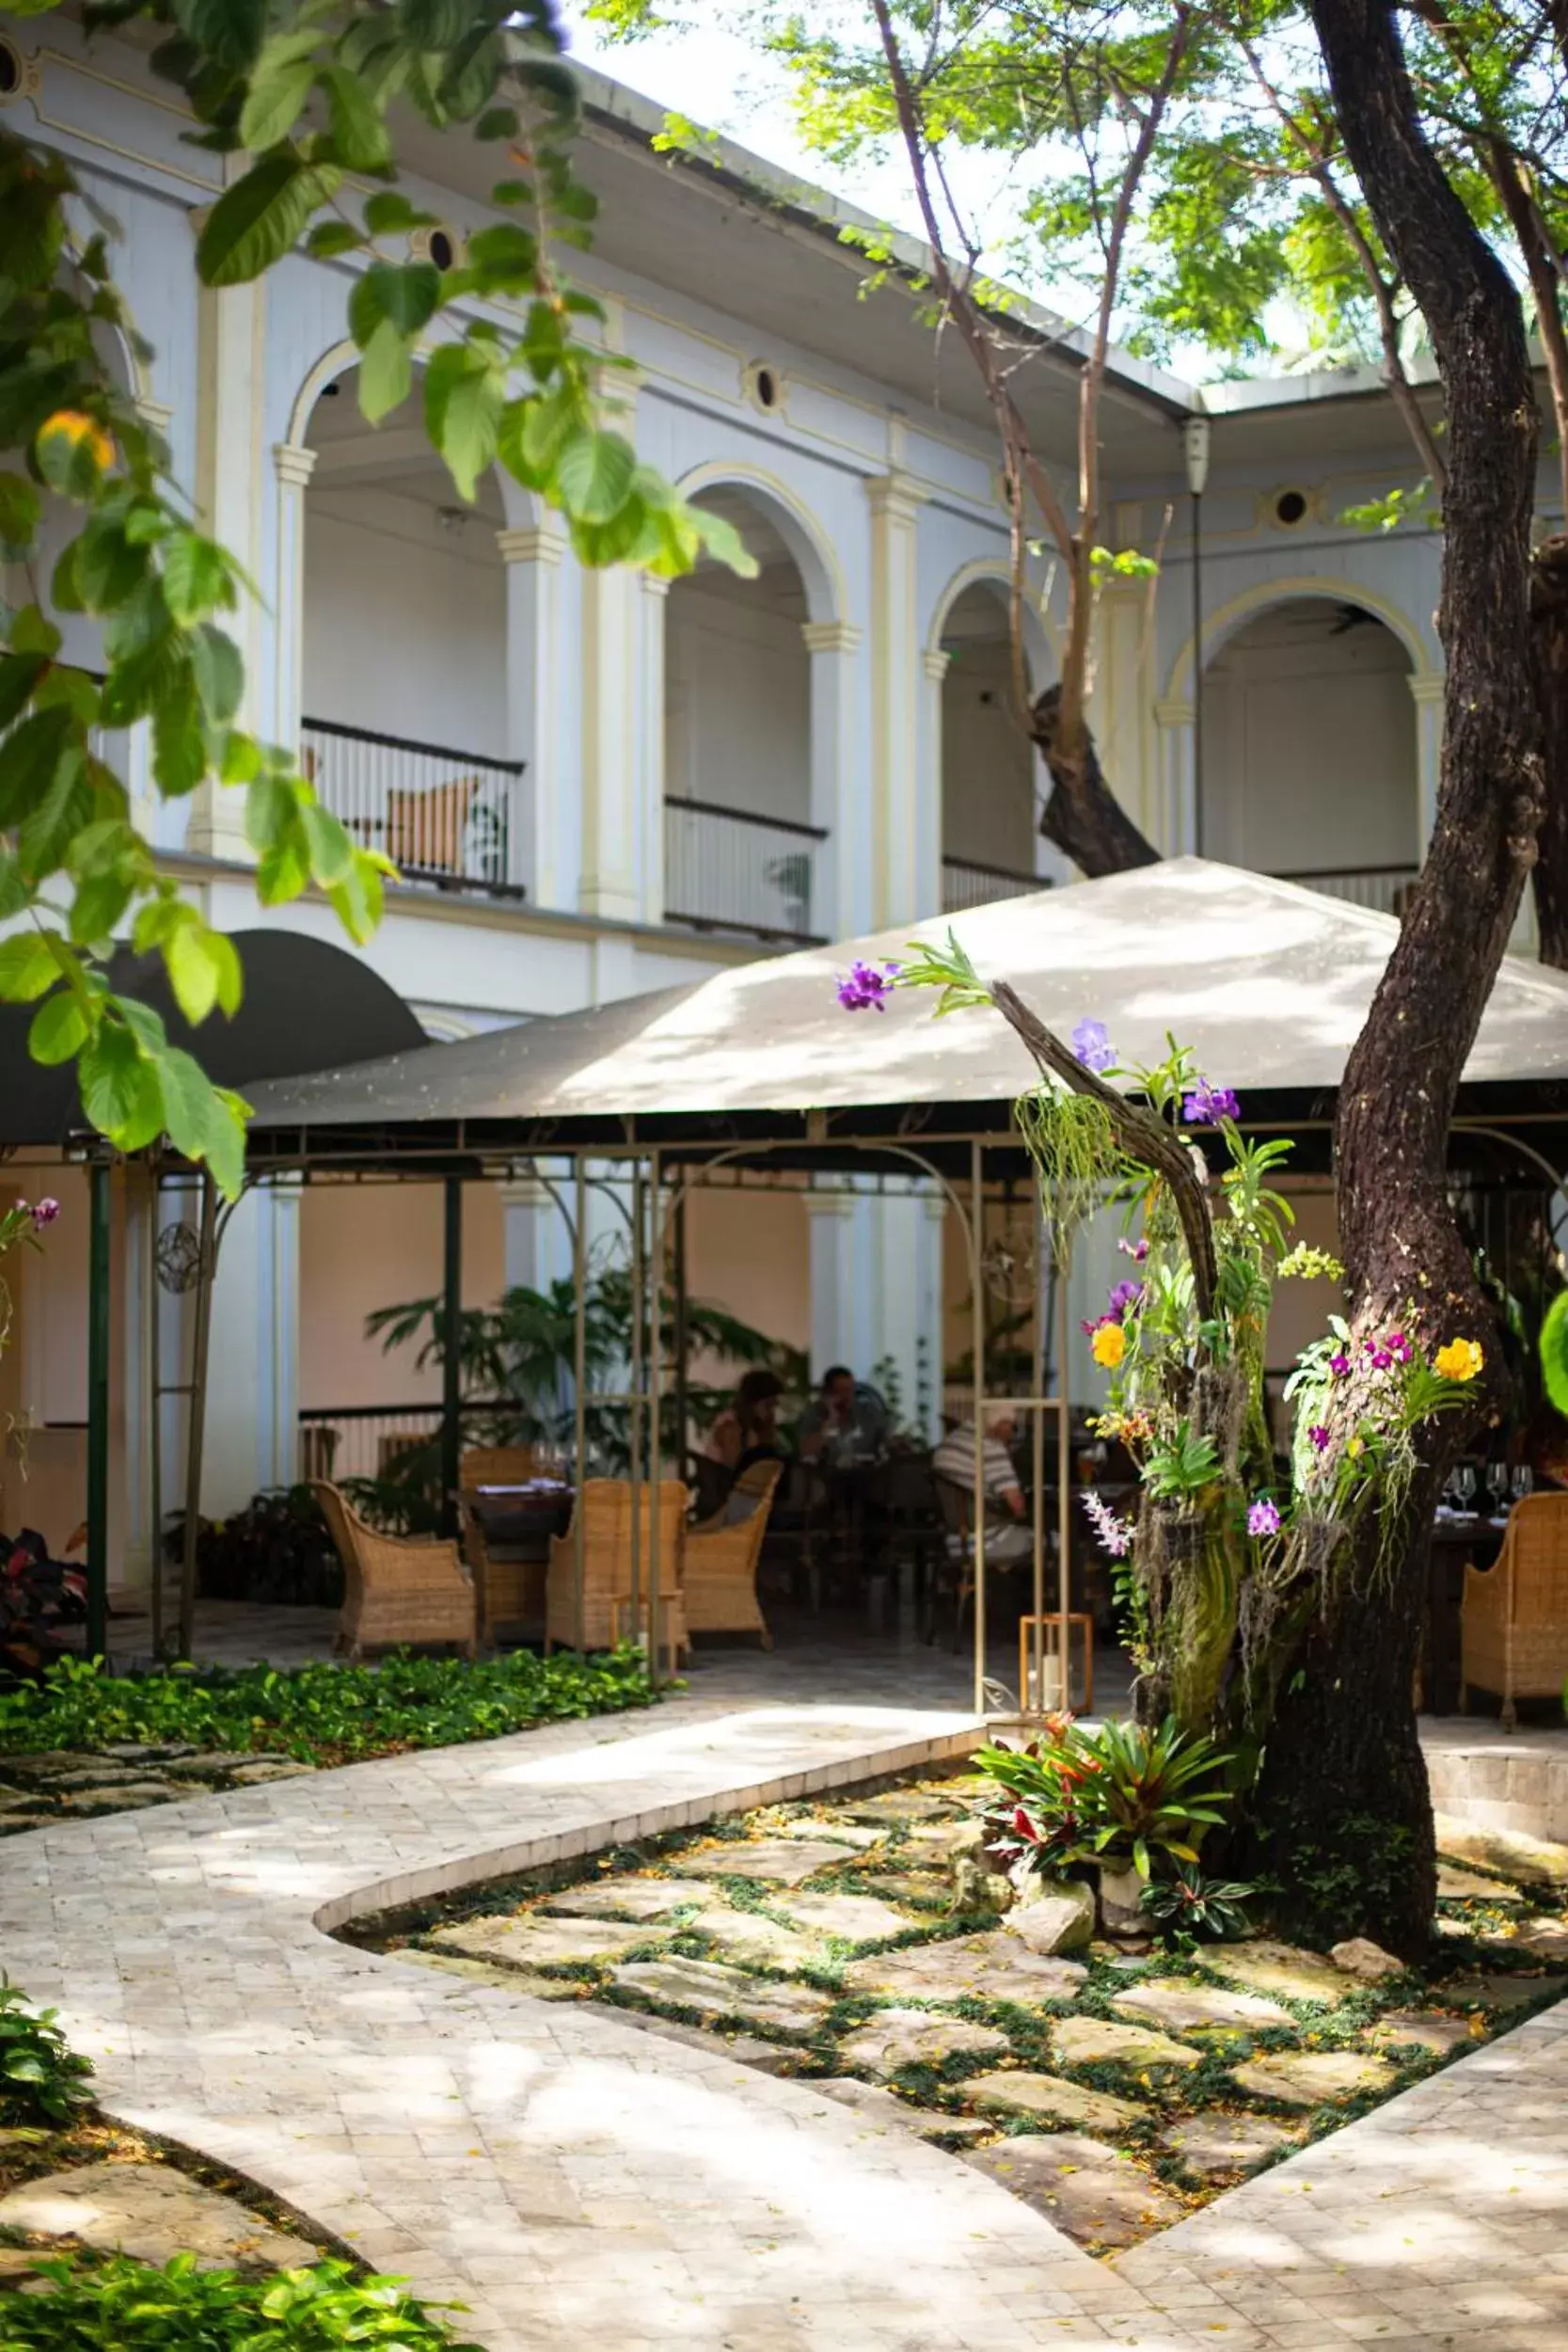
<point x="1269" y="983"/>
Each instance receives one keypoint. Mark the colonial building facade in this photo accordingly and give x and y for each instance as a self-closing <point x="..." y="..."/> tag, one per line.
<point x="600" y="784"/>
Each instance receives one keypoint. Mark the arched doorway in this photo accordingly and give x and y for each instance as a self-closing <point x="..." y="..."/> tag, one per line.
<point x="989" y="828"/>
<point x="743" y="842"/>
<point x="405" y="650"/>
<point x="1309" y="750"/>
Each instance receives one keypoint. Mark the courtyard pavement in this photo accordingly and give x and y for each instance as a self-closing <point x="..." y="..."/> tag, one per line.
<point x="573" y="2180"/>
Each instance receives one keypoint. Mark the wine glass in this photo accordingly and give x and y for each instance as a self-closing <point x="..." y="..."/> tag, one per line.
<point x="1524" y="1481"/>
<point x="1465" y="1484"/>
<point x="1497" y="1485"/>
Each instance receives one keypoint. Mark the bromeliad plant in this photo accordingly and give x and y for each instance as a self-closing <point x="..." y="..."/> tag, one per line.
<point x="1125" y="1796"/>
<point x="1225" y="1560"/>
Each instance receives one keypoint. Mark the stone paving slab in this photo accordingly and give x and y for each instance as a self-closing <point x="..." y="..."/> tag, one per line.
<point x="568" y="2175"/>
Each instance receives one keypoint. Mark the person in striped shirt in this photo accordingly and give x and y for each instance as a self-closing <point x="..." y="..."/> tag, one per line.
<point x="1008" y="1537"/>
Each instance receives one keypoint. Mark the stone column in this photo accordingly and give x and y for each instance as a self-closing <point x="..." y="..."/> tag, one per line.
<point x="252" y="1434"/>
<point x="534" y="663"/>
<point x="1176" y="816"/>
<point x="931" y="814"/>
<point x="138" y="1292"/>
<point x="612" y="766"/>
<point x="526" y="1203"/>
<point x="841" y="900"/>
<point x="232" y="353"/>
<point x="1119" y="705"/>
<point x="1427" y="695"/>
<point x="830" y="1226"/>
<point x="895" y="501"/>
<point x="655" y="596"/>
<point x="293" y="466"/>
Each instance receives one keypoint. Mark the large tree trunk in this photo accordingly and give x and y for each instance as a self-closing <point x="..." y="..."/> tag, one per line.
<point x="1549" y="609"/>
<point x="1342" y="1771"/>
<point x="1083" y="816"/>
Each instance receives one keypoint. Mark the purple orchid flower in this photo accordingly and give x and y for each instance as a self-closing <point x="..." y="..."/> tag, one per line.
<point x="866" y="987"/>
<point x="1114" y="1534"/>
<point x="1091" y="1043"/>
<point x="1206" y="1104"/>
<point x="1262" y="1519"/>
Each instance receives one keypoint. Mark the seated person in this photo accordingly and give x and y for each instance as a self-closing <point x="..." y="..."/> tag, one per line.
<point x="847" y="1423"/>
<point x="1008" y="1537"/>
<point x="748" y="1430"/>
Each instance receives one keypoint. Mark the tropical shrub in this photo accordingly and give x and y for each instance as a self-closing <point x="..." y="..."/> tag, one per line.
<point x="41" y="2078"/>
<point x="38" y="1597"/>
<point x="321" y="1712"/>
<point x="89" y="2304"/>
<point x="1121" y="1796"/>
<point x="277" y="1549"/>
<point x="1185" y="1904"/>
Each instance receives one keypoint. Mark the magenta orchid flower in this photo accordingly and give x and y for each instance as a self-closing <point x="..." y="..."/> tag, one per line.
<point x="1262" y="1519"/>
<point x="1206" y="1104"/>
<point x="866" y="987"/>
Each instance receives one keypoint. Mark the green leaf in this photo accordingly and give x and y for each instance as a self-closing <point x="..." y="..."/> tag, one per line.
<point x="497" y="123"/>
<point x="28" y="967"/>
<point x="464" y="398"/>
<point x="360" y="139"/>
<point x="196" y="969"/>
<point x="504" y="258"/>
<point x="198" y="577"/>
<point x="357" y="900"/>
<point x="219" y="674"/>
<point x="594" y="475"/>
<point x="257" y="220"/>
<point x="45" y="835"/>
<point x="61" y="1028"/>
<point x="117" y="1083"/>
<point x="18" y="509"/>
<point x="407" y="292"/>
<point x="385" y="372"/>
<point x="329" y="238"/>
<point x="269" y="811"/>
<point x="1554" y="1352"/>
<point x="275" y="102"/>
<point x="19" y="674"/>
<point x="327" y="844"/>
<point x="389" y="213"/>
<point x="230" y="31"/>
<point x="30" y="756"/>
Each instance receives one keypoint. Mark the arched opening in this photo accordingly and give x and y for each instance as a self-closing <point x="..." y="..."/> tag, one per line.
<point x="987" y="762"/>
<point x="1309" y="750"/>
<point x="403" y="650"/>
<point x="742" y="848"/>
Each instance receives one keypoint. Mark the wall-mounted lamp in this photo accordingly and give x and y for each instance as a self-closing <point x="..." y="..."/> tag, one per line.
<point x="1195" y="449"/>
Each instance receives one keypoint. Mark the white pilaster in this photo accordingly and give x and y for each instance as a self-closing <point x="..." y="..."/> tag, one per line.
<point x="841" y="896"/>
<point x="137" y="1534"/>
<point x="1175" y="811"/>
<point x="1427" y="695"/>
<point x="526" y="1205"/>
<point x="534" y="713"/>
<point x="830" y="1226"/>
<point x="230" y="475"/>
<point x="1119" y="704"/>
<point x="652" y="783"/>
<point x="895" y="501"/>
<point x="293" y="466"/>
<point x="613" y="769"/>
<point x="251" y="1440"/>
<point x="933" y="672"/>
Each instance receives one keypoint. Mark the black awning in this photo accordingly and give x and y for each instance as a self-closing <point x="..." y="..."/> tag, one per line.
<point x="307" y="1006"/>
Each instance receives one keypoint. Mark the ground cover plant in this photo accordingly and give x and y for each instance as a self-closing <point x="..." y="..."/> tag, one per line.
<point x="132" y="1729"/>
<point x="860" y="1943"/>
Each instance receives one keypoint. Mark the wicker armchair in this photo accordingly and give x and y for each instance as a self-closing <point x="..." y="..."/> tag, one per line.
<point x="605" y="1508"/>
<point x="1516" y="1626"/>
<point x="396" y="1588"/>
<point x="720" y="1581"/>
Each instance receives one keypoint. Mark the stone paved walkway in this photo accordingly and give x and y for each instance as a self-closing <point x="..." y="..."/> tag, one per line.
<point x="571" y="2179"/>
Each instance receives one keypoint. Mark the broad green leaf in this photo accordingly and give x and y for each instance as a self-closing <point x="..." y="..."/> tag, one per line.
<point x="327" y="844"/>
<point x="28" y="967"/>
<point x="504" y="257"/>
<point x="283" y="873"/>
<point x="19" y="674"/>
<point x="360" y="139"/>
<point x="195" y="970"/>
<point x="219" y="674"/>
<point x="407" y="292"/>
<point x="197" y="577"/>
<point x="464" y="398"/>
<point x="32" y="632"/>
<point x="385" y="372"/>
<point x="106" y="567"/>
<point x="594" y="474"/>
<point x="357" y="900"/>
<point x="18" y="509"/>
<point x="61" y="1028"/>
<point x="114" y="1079"/>
<point x="46" y="833"/>
<point x="269" y="811"/>
<point x="99" y="907"/>
<point x="29" y="757"/>
<point x="275" y="102"/>
<point x="179" y="745"/>
<point x="230" y="31"/>
<point x="329" y="238"/>
<point x="388" y="213"/>
<point x="721" y="539"/>
<point x="257" y="220"/>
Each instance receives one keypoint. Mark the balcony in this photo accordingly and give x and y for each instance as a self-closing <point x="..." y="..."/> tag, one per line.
<point x="726" y="870"/>
<point x="966" y="885"/>
<point x="1381" y="887"/>
<point x="449" y="818"/>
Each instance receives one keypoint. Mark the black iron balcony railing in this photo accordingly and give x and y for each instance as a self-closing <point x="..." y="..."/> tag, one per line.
<point x="726" y="869"/>
<point x="445" y="817"/>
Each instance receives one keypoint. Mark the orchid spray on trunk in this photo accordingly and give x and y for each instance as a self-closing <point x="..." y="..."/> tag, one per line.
<point x="1231" y="1545"/>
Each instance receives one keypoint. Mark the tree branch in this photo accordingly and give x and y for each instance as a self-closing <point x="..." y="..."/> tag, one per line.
<point x="1141" y="1135"/>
